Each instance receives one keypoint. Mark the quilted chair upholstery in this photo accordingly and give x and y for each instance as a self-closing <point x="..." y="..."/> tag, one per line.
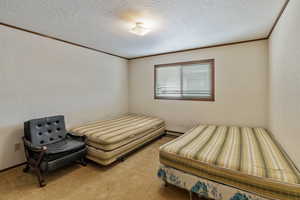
<point x="48" y="146"/>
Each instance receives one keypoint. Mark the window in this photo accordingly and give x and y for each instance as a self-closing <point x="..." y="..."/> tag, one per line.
<point x="185" y="81"/>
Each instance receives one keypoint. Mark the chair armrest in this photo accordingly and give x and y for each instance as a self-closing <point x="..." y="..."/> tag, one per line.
<point x="77" y="137"/>
<point x="32" y="147"/>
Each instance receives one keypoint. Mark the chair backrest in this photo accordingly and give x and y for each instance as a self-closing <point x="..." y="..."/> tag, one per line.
<point x="46" y="130"/>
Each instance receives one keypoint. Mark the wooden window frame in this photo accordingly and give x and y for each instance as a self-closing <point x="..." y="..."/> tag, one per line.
<point x="212" y="64"/>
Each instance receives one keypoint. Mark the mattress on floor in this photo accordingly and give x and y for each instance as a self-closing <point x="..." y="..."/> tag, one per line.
<point x="112" y="134"/>
<point x="107" y="157"/>
<point x="242" y="157"/>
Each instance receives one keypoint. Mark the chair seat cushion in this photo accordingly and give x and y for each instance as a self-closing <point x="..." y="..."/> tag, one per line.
<point x="63" y="148"/>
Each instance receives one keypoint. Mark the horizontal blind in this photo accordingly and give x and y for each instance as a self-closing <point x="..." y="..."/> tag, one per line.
<point x="168" y="82"/>
<point x="180" y="81"/>
<point x="196" y="80"/>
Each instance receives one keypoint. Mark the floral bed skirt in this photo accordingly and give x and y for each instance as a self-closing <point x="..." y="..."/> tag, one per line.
<point x="203" y="187"/>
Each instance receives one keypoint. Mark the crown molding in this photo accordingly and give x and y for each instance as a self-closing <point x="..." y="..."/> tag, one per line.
<point x="278" y="17"/>
<point x="58" y="39"/>
<point x="197" y="48"/>
<point x="225" y="44"/>
<point x="158" y="54"/>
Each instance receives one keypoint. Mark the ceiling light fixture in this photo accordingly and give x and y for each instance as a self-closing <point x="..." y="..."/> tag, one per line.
<point x="140" y="29"/>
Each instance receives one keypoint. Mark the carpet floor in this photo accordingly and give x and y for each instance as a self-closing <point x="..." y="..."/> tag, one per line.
<point x="135" y="178"/>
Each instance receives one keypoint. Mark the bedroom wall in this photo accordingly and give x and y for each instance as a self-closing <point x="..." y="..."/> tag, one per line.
<point x="285" y="80"/>
<point x="41" y="77"/>
<point x="241" y="88"/>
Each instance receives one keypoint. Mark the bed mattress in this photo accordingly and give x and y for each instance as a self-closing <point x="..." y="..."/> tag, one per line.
<point x="110" y="139"/>
<point x="111" y="134"/>
<point x="242" y="157"/>
<point x="108" y="157"/>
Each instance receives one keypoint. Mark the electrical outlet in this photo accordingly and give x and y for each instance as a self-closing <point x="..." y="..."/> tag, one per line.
<point x="17" y="147"/>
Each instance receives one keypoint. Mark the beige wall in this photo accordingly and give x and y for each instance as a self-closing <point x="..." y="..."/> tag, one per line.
<point x="241" y="88"/>
<point x="41" y="77"/>
<point x="285" y="80"/>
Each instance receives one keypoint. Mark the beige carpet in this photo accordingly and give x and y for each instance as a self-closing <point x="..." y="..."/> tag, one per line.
<point x="135" y="178"/>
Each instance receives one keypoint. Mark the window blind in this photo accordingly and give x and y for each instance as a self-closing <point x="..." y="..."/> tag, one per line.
<point x="184" y="81"/>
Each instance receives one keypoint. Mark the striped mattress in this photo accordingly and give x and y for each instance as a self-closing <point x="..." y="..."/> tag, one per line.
<point x="106" y="157"/>
<point x="242" y="157"/>
<point x="109" y="139"/>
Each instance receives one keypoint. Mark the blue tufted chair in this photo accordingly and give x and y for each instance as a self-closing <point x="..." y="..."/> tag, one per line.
<point x="48" y="146"/>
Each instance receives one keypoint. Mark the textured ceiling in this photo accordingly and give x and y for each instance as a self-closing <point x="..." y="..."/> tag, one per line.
<point x="176" y="24"/>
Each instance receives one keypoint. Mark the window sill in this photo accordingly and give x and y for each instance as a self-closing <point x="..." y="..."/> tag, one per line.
<point x="185" y="99"/>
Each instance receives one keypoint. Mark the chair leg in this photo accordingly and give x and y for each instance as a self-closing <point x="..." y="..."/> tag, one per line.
<point x="40" y="177"/>
<point x="26" y="169"/>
